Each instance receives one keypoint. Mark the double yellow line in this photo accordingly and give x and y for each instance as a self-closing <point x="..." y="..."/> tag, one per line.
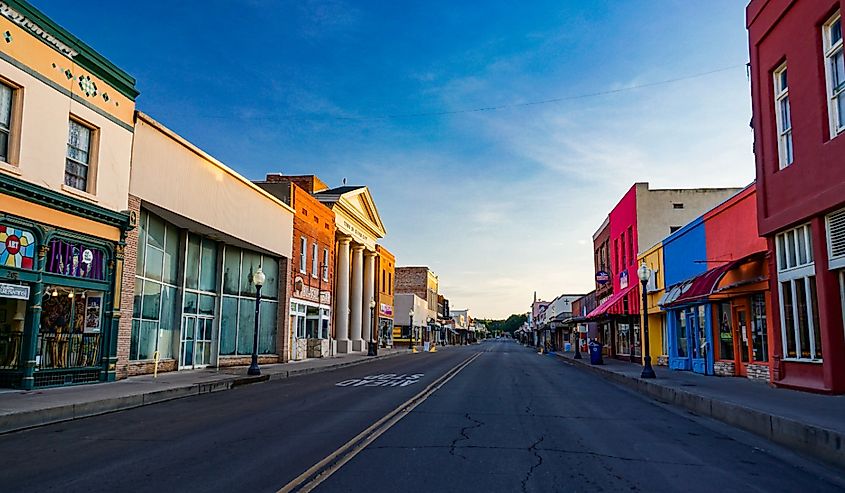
<point x="322" y="470"/>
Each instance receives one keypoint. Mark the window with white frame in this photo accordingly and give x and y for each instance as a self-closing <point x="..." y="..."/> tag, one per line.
<point x="325" y="264"/>
<point x="835" y="69"/>
<point x="783" y="117"/>
<point x="7" y="95"/>
<point x="799" y="312"/>
<point x="78" y="162"/>
<point x="315" y="261"/>
<point x="303" y="254"/>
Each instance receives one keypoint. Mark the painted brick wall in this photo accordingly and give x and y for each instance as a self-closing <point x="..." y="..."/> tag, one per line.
<point x="127" y="293"/>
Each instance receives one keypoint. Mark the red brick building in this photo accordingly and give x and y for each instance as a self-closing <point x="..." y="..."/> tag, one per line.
<point x="312" y="264"/>
<point x="798" y="98"/>
<point x="386" y="283"/>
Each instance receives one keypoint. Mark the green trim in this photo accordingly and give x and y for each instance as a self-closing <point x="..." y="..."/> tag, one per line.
<point x="49" y="198"/>
<point x="67" y="93"/>
<point x="87" y="57"/>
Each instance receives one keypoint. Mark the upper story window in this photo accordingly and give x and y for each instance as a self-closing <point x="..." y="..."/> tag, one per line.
<point x="78" y="162"/>
<point x="835" y="68"/>
<point x="315" y="260"/>
<point x="325" y="264"/>
<point x="303" y="255"/>
<point x="677" y="205"/>
<point x="7" y="95"/>
<point x="783" y="115"/>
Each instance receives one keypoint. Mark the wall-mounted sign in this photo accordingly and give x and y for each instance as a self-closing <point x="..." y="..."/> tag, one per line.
<point x="385" y="309"/>
<point x="14" y="291"/>
<point x="76" y="260"/>
<point x="602" y="278"/>
<point x="93" y="313"/>
<point x="306" y="292"/>
<point x="17" y="248"/>
<point x="623" y="279"/>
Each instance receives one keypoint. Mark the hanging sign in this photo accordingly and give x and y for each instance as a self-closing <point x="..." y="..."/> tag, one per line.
<point x="602" y="278"/>
<point x="623" y="279"/>
<point x="14" y="291"/>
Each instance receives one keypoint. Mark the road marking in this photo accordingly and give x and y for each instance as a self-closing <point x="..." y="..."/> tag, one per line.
<point x="382" y="380"/>
<point x="322" y="470"/>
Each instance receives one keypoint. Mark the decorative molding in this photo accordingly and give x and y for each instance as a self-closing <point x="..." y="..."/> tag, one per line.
<point x="28" y="24"/>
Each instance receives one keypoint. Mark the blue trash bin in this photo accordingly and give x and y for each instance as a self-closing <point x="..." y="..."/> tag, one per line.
<point x="595" y="353"/>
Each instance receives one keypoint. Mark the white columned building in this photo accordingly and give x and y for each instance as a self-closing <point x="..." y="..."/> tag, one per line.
<point x="359" y="227"/>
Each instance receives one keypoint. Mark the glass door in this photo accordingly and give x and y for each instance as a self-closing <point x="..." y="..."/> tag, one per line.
<point x="743" y="332"/>
<point x="186" y="337"/>
<point x="195" y="338"/>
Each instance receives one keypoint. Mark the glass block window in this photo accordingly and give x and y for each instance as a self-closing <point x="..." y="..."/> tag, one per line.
<point x="77" y="164"/>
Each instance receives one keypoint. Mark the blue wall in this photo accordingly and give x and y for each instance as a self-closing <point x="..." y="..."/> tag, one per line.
<point x="681" y="250"/>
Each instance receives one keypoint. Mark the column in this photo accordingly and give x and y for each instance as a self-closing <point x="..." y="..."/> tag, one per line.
<point x="369" y="294"/>
<point x="356" y="299"/>
<point x="341" y="314"/>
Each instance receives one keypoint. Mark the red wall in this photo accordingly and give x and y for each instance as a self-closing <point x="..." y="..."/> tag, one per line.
<point x="623" y="217"/>
<point x="731" y="228"/>
<point x="790" y="30"/>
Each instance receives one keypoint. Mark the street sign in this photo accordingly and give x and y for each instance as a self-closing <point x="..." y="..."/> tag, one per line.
<point x="602" y="277"/>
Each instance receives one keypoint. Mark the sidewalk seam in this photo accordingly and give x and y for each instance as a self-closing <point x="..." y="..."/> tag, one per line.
<point x="68" y="412"/>
<point x="822" y="443"/>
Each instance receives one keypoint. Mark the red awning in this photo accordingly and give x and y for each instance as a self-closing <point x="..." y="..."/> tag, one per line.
<point x="703" y="285"/>
<point x="615" y="305"/>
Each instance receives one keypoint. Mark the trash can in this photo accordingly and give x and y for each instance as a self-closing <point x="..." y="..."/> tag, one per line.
<point x="595" y="353"/>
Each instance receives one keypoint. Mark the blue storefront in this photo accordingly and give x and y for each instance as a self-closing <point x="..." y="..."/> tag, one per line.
<point x="687" y="312"/>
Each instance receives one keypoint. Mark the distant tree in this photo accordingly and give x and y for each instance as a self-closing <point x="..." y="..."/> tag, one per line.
<point x="510" y="324"/>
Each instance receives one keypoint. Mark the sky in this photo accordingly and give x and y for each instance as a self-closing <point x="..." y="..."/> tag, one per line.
<point x="432" y="106"/>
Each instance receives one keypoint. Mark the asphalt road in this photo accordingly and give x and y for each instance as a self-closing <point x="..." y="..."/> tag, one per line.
<point x="510" y="421"/>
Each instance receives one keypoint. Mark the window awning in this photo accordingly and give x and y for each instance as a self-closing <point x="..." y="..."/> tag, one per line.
<point x="703" y="285"/>
<point x="615" y="305"/>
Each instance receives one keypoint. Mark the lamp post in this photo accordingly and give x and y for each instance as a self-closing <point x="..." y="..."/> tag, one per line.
<point x="411" y="330"/>
<point x="644" y="274"/>
<point x="371" y="350"/>
<point x="258" y="279"/>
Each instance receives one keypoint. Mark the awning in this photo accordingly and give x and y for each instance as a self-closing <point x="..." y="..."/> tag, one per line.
<point x="615" y="305"/>
<point x="703" y="285"/>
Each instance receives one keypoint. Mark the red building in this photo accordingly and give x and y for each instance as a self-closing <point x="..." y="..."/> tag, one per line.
<point x="798" y="98"/>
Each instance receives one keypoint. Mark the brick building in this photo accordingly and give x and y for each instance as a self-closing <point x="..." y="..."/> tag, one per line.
<point x="312" y="274"/>
<point x="422" y="282"/>
<point x="799" y="144"/>
<point x="386" y="269"/>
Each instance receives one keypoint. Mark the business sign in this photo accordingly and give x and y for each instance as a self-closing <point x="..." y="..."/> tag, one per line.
<point x="17" y="248"/>
<point x="310" y="293"/>
<point x="623" y="279"/>
<point x="602" y="278"/>
<point x="14" y="291"/>
<point x="385" y="309"/>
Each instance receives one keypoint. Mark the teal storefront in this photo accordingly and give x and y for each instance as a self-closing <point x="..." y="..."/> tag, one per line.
<point x="58" y="319"/>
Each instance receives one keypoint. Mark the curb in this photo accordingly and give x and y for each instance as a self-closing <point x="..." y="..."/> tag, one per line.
<point x="32" y="419"/>
<point x="815" y="441"/>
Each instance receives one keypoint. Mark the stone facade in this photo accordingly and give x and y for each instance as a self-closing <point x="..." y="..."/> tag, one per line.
<point x="724" y="368"/>
<point x="758" y="372"/>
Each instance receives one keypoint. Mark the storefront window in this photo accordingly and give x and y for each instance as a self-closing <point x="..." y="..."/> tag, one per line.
<point x="623" y="340"/>
<point x="156" y="308"/>
<point x="801" y="331"/>
<point x="759" y="328"/>
<point x="75" y="259"/>
<point x="238" y="304"/>
<point x="681" y="333"/>
<point x="69" y="336"/>
<point x="726" y="338"/>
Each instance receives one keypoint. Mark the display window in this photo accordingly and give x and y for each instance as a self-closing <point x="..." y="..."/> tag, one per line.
<point x="69" y="336"/>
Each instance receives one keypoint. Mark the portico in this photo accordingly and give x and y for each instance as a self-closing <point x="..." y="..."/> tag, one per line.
<point x="358" y="228"/>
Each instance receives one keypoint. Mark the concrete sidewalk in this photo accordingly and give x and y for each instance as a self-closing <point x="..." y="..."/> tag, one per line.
<point x="25" y="409"/>
<point x="810" y="423"/>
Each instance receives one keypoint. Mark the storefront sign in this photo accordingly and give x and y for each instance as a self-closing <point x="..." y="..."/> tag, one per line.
<point x="14" y="291"/>
<point x="602" y="278"/>
<point x="76" y="260"/>
<point x="623" y="279"/>
<point x="386" y="310"/>
<point x="309" y="293"/>
<point x="17" y="248"/>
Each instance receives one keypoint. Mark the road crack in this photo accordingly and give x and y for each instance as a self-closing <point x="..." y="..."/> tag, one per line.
<point x="463" y="435"/>
<point x="533" y="450"/>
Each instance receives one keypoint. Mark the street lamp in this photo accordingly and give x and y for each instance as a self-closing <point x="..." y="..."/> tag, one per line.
<point x="411" y="330"/>
<point x="372" y="351"/>
<point x="644" y="274"/>
<point x="258" y="279"/>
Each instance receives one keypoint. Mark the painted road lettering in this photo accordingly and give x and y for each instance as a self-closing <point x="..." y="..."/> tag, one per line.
<point x="382" y="380"/>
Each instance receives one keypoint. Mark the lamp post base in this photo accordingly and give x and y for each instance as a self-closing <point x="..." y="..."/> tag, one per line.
<point x="253" y="370"/>
<point x="648" y="371"/>
<point x="371" y="349"/>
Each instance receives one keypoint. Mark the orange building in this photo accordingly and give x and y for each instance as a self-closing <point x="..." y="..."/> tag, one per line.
<point x="386" y="283"/>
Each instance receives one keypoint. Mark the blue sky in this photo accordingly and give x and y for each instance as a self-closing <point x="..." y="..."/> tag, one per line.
<point x="498" y="203"/>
